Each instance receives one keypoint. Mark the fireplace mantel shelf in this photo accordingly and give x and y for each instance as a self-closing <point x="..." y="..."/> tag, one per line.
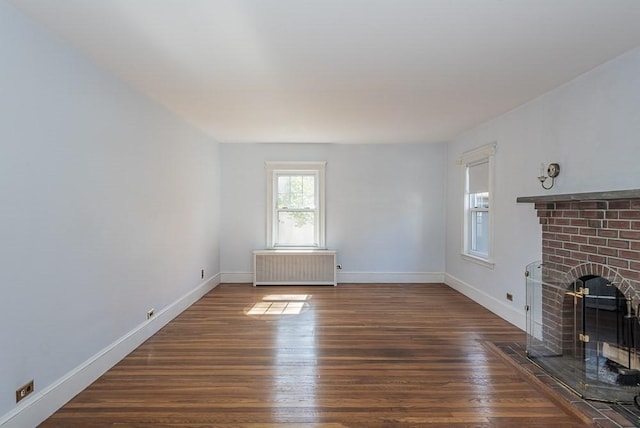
<point x="591" y="196"/>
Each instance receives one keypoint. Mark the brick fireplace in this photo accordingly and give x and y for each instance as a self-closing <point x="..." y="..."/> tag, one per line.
<point x="591" y="255"/>
<point x="592" y="232"/>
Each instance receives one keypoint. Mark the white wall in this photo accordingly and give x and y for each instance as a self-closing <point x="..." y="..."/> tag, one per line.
<point x="590" y="126"/>
<point x="109" y="206"/>
<point x="384" y="209"/>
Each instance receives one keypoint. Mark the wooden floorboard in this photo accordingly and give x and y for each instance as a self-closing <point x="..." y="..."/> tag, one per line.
<point x="357" y="355"/>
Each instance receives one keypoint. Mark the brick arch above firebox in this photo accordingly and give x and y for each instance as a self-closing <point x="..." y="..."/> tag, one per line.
<point x="610" y="274"/>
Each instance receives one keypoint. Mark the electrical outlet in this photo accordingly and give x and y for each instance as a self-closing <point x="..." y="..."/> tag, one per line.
<point x="149" y="313"/>
<point x="24" y="390"/>
<point x="510" y="297"/>
<point x="202" y="274"/>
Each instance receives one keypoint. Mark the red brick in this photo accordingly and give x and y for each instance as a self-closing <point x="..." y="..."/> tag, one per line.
<point x="544" y="206"/>
<point x="621" y="204"/>
<point x="597" y="241"/>
<point x="562" y="221"/>
<point x="563" y="205"/>
<point x="550" y="265"/>
<point x="635" y="204"/>
<point x="592" y="205"/>
<point x="596" y="259"/>
<point x="577" y="255"/>
<point x="580" y="222"/>
<point x="589" y="249"/>
<point x="633" y="214"/>
<point x="570" y="246"/>
<point x="571" y="263"/>
<point x="635" y="225"/>
<point x="543" y="213"/>
<point x="569" y="213"/>
<point x="630" y="234"/>
<point x="548" y="235"/>
<point x="591" y="214"/>
<point x="563" y="237"/>
<point x="555" y="244"/>
<point x="555" y="259"/>
<point x="607" y="233"/>
<point x="629" y="274"/>
<point x="618" y="262"/>
<point x="634" y="265"/>
<point x="570" y="230"/>
<point x="617" y="224"/>
<point x="629" y="255"/>
<point x="615" y="243"/>
<point x="563" y="253"/>
<point x="588" y="231"/>
<point x="580" y="239"/>
<point x="606" y="251"/>
<point x="552" y="228"/>
<point x="596" y="224"/>
<point x="611" y="214"/>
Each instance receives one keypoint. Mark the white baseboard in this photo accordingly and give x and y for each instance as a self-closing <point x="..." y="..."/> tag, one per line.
<point x="390" y="277"/>
<point x="504" y="311"/>
<point x="38" y="407"/>
<point x="237" y="278"/>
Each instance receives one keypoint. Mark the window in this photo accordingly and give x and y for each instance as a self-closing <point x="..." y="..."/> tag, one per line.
<point x="295" y="204"/>
<point x="478" y="219"/>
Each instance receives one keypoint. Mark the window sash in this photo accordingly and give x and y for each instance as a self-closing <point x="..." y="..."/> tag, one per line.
<point x="479" y="230"/>
<point x="299" y="198"/>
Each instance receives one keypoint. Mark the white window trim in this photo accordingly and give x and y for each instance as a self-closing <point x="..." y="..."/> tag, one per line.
<point x="274" y="168"/>
<point x="471" y="157"/>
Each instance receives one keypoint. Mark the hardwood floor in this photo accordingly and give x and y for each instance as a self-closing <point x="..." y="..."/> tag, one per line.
<point x="357" y="355"/>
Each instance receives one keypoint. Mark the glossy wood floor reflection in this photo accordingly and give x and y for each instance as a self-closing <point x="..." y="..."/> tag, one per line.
<point x="355" y="355"/>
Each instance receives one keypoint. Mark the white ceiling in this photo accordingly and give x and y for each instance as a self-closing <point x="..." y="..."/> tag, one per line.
<point x="346" y="71"/>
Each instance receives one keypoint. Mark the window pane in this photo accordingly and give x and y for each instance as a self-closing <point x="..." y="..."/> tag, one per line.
<point x="296" y="228"/>
<point x="480" y="232"/>
<point x="309" y="192"/>
<point x="296" y="191"/>
<point x="284" y="186"/>
<point x="479" y="200"/>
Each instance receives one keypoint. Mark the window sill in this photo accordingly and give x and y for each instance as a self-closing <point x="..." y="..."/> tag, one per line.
<point x="295" y="248"/>
<point x="489" y="264"/>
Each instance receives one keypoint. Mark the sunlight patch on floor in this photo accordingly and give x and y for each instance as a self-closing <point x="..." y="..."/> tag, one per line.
<point x="279" y="304"/>
<point x="288" y="297"/>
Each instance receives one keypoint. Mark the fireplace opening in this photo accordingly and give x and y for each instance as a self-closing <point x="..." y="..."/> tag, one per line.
<point x="585" y="332"/>
<point x="609" y="331"/>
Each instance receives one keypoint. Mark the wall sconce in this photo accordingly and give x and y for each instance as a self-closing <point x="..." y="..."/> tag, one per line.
<point x="553" y="170"/>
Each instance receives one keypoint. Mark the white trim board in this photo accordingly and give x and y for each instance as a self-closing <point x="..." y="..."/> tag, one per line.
<point x="503" y="310"/>
<point x="34" y="409"/>
<point x="236" y="278"/>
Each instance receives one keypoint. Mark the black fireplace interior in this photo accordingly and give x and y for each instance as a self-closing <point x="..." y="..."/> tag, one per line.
<point x="610" y="332"/>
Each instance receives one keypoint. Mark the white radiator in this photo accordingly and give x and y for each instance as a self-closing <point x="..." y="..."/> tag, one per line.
<point x="294" y="267"/>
